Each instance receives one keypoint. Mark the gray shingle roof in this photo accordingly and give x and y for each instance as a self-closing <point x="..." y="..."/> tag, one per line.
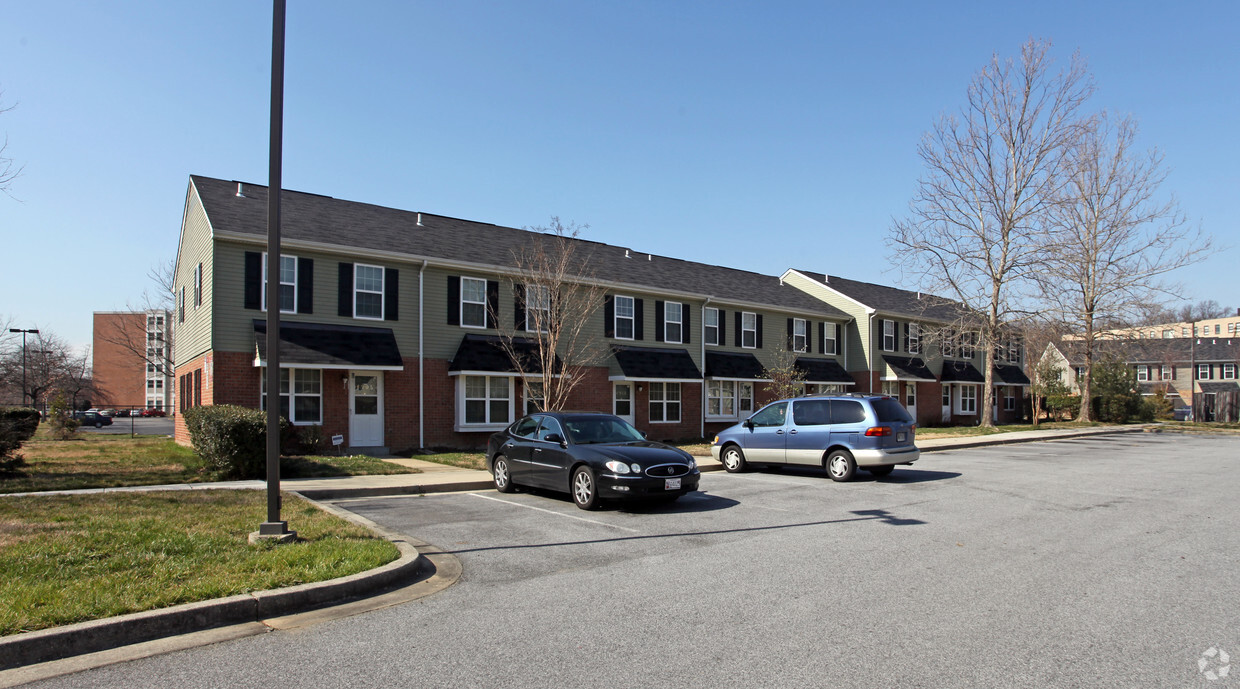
<point x="350" y="224"/>
<point x="1158" y="351"/>
<point x="892" y="300"/>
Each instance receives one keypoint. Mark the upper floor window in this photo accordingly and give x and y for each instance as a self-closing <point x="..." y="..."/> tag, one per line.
<point x="800" y="340"/>
<point x="624" y="318"/>
<point x="1143" y="372"/>
<point x="914" y="338"/>
<point x="673" y="322"/>
<point x="198" y="286"/>
<point x="537" y="308"/>
<point x="968" y="345"/>
<point x="889" y="336"/>
<point x="288" y="283"/>
<point x="1204" y="372"/>
<point x="1229" y="372"/>
<point x="749" y="330"/>
<point x="710" y="321"/>
<point x="367" y="291"/>
<point x="1167" y="373"/>
<point x="473" y="303"/>
<point x="829" y="338"/>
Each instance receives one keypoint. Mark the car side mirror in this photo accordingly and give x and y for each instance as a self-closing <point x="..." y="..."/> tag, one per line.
<point x="644" y="435"/>
<point x="748" y="424"/>
<point x="556" y="438"/>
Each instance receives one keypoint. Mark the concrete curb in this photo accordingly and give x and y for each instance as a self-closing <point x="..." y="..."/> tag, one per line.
<point x="379" y="491"/>
<point x="99" y="635"/>
<point x="987" y="441"/>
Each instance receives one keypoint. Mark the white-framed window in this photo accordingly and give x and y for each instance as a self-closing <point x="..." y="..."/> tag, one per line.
<point x="749" y="330"/>
<point x="624" y="325"/>
<point x="721" y="398"/>
<point x="1080" y="373"/>
<point x="914" y="338"/>
<point x="367" y="291"/>
<point x="800" y="340"/>
<point x="1167" y="373"/>
<point x="1013" y="351"/>
<point x="1009" y="399"/>
<point x="301" y="391"/>
<point x="710" y="323"/>
<point x="968" y="399"/>
<point x="1183" y="332"/>
<point x="968" y="345"/>
<point x="947" y="396"/>
<point x="829" y="335"/>
<point x="1143" y="373"/>
<point x="622" y="400"/>
<point x="537" y="308"/>
<point x="673" y="322"/>
<point x="889" y="335"/>
<point x="473" y="303"/>
<point x="812" y="389"/>
<point x="891" y="388"/>
<point x="664" y="402"/>
<point x="1218" y="329"/>
<point x="288" y="283"/>
<point x="535" y="396"/>
<point x="1205" y="372"/>
<point x="744" y="399"/>
<point x="485" y="401"/>
<point x="1229" y="372"/>
<point x="198" y="286"/>
<point x="1168" y="334"/>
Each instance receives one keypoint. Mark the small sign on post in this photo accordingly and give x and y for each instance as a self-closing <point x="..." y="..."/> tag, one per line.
<point x="337" y="442"/>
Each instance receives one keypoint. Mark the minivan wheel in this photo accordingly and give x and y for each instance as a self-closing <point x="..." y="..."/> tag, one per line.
<point x="881" y="470"/>
<point x="733" y="459"/>
<point x="841" y="466"/>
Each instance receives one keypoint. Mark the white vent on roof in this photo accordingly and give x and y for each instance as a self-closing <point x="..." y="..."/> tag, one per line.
<point x="626" y="254"/>
<point x="649" y="257"/>
<point x="420" y="220"/>
<point x="239" y="194"/>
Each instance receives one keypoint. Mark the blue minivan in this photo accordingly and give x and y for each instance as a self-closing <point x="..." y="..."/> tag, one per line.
<point x="840" y="433"/>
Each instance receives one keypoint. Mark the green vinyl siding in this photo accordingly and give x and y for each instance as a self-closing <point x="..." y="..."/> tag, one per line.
<point x="192" y="336"/>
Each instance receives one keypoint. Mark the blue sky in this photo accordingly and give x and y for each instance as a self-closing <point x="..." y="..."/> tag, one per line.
<point x="761" y="136"/>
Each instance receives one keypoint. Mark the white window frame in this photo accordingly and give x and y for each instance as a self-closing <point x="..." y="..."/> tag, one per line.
<point x="968" y="345"/>
<point x="967" y="400"/>
<point x="532" y="392"/>
<point x="744" y="398"/>
<point x="537" y="299"/>
<point x="198" y="286"/>
<point x="615" y="400"/>
<point x="910" y="395"/>
<point x="1143" y="373"/>
<point x="464" y="301"/>
<point x="296" y="383"/>
<point x="293" y="284"/>
<point x="802" y="325"/>
<point x="1009" y="399"/>
<point x="1166" y="372"/>
<point x="750" y="332"/>
<point x="1206" y="369"/>
<point x="889" y="335"/>
<point x="891" y="388"/>
<point x="679" y="322"/>
<point x="631" y="318"/>
<point x="830" y="343"/>
<point x="664" y="401"/>
<point x="710" y="326"/>
<point x="357" y="290"/>
<point x="914" y="338"/>
<point x="721" y="399"/>
<point x="1228" y="372"/>
<point x="490" y="383"/>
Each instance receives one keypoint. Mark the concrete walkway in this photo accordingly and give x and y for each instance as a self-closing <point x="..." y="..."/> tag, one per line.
<point x="418" y="563"/>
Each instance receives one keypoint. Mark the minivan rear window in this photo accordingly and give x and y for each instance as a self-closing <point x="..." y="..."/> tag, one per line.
<point x="811" y="412"/>
<point x="847" y="411"/>
<point x="890" y="411"/>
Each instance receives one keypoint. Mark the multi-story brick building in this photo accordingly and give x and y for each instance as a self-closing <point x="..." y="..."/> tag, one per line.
<point x="131" y="351"/>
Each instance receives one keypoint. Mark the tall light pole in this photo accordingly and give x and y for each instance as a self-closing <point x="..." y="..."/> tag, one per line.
<point x="33" y="331"/>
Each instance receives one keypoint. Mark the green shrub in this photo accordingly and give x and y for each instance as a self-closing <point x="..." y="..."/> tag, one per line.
<point x="61" y="420"/>
<point x="17" y="425"/>
<point x="231" y="440"/>
<point x="310" y="440"/>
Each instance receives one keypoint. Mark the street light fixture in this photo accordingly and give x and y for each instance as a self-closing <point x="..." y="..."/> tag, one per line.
<point x="32" y="331"/>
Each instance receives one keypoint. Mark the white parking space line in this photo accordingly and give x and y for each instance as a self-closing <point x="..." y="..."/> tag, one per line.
<point x="781" y="482"/>
<point x="558" y="514"/>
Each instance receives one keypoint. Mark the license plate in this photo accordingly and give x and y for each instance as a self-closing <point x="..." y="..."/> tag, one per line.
<point x="672" y="484"/>
<point x="900" y="437"/>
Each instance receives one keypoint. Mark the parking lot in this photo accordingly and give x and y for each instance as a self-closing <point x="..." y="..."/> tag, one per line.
<point x="135" y="424"/>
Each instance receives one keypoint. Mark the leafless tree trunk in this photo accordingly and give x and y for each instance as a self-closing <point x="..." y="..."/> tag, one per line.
<point x="993" y="173"/>
<point x="1111" y="240"/>
<point x="555" y="289"/>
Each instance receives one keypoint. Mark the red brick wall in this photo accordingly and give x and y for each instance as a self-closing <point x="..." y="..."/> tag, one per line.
<point x="119" y="374"/>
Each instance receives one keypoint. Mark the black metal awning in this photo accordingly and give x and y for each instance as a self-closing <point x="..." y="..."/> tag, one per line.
<point x="650" y="363"/>
<point x="824" y="371"/>
<point x="1010" y="375"/>
<point x="727" y="366"/>
<point x="961" y="372"/>
<point x="486" y="354"/>
<point x="1218" y="387"/>
<point x="908" y="368"/>
<point x="317" y="345"/>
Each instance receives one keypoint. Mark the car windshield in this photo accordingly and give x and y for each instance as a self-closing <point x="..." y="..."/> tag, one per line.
<point x="600" y="429"/>
<point x="890" y="411"/>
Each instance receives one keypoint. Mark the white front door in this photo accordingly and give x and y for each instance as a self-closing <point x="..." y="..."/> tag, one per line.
<point x="622" y="401"/>
<point x="947" y="403"/>
<point x="910" y="399"/>
<point x="365" y="408"/>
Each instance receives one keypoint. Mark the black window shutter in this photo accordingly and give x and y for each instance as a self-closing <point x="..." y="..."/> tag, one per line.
<point x="454" y="300"/>
<point x="905" y="338"/>
<point x="305" y="285"/>
<point x="492" y="302"/>
<point x="344" y="306"/>
<point x="391" y="294"/>
<point x="822" y="337"/>
<point x="685" y="325"/>
<point x="609" y="316"/>
<point x="253" y="280"/>
<point x="723" y="328"/>
<point x="658" y="321"/>
<point x="759" y="331"/>
<point x="740" y="319"/>
<point x="518" y="306"/>
<point x="638" y="319"/>
<point x="790" y="333"/>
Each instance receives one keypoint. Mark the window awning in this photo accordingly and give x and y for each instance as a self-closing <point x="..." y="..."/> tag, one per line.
<point x="961" y="372"/>
<point x="728" y="366"/>
<point x="1011" y="375"/>
<point x="1218" y="387"/>
<point x="908" y="369"/>
<point x="318" y="345"/>
<point x="486" y="354"/>
<point x="650" y="363"/>
<point x="824" y="372"/>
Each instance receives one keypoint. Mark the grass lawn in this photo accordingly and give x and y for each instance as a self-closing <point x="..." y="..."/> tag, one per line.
<point x="106" y="461"/>
<point x="464" y="460"/>
<point x="970" y="431"/>
<point x="72" y="558"/>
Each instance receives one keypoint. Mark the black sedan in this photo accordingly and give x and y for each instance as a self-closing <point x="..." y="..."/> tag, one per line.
<point x="592" y="456"/>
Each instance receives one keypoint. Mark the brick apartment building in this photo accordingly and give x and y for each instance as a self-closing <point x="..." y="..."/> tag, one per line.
<point x="131" y="351"/>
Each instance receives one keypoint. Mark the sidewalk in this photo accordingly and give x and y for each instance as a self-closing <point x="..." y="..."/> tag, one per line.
<point x="417" y="559"/>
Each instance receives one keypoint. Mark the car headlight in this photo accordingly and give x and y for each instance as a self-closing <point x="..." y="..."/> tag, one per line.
<point x="692" y="463"/>
<point x="618" y="467"/>
<point x="716" y="441"/>
<point x="637" y="468"/>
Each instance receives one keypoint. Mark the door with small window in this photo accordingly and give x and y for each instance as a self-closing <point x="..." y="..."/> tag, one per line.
<point x="622" y="401"/>
<point x="366" y="408"/>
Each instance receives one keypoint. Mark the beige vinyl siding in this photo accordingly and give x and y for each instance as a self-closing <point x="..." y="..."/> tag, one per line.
<point x="856" y="339"/>
<point x="193" y="336"/>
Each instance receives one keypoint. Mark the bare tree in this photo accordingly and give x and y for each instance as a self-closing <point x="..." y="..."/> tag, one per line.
<point x="1111" y="239"/>
<point x="787" y="379"/>
<point x="993" y="172"/>
<point x="9" y="170"/>
<point x="1044" y="376"/>
<point x="134" y="335"/>
<point x="551" y="343"/>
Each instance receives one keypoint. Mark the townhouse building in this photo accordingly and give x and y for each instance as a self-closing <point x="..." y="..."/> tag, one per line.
<point x="390" y="318"/>
<point x="913" y="347"/>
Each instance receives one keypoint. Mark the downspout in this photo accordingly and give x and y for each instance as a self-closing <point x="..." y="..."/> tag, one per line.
<point x="870" y="357"/>
<point x="421" y="357"/>
<point x="702" y="339"/>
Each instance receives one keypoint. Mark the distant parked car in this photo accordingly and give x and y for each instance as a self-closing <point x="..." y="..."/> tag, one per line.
<point x="154" y="412"/>
<point x="92" y="418"/>
<point x="590" y="455"/>
<point x="839" y="433"/>
<point x="122" y="413"/>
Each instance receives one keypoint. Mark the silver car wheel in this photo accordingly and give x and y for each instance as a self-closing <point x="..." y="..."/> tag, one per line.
<point x="583" y="489"/>
<point x="733" y="460"/>
<point x="841" y="466"/>
<point x="503" y="481"/>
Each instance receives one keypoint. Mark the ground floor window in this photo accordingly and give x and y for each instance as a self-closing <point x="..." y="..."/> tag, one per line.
<point x="301" y="390"/>
<point x="891" y="388"/>
<point x="947" y="396"/>
<point x="535" y="396"/>
<point x="825" y="388"/>
<point x="665" y="402"/>
<point x="485" y="400"/>
<point x="1009" y="399"/>
<point x="968" y="399"/>
<point x="728" y="399"/>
